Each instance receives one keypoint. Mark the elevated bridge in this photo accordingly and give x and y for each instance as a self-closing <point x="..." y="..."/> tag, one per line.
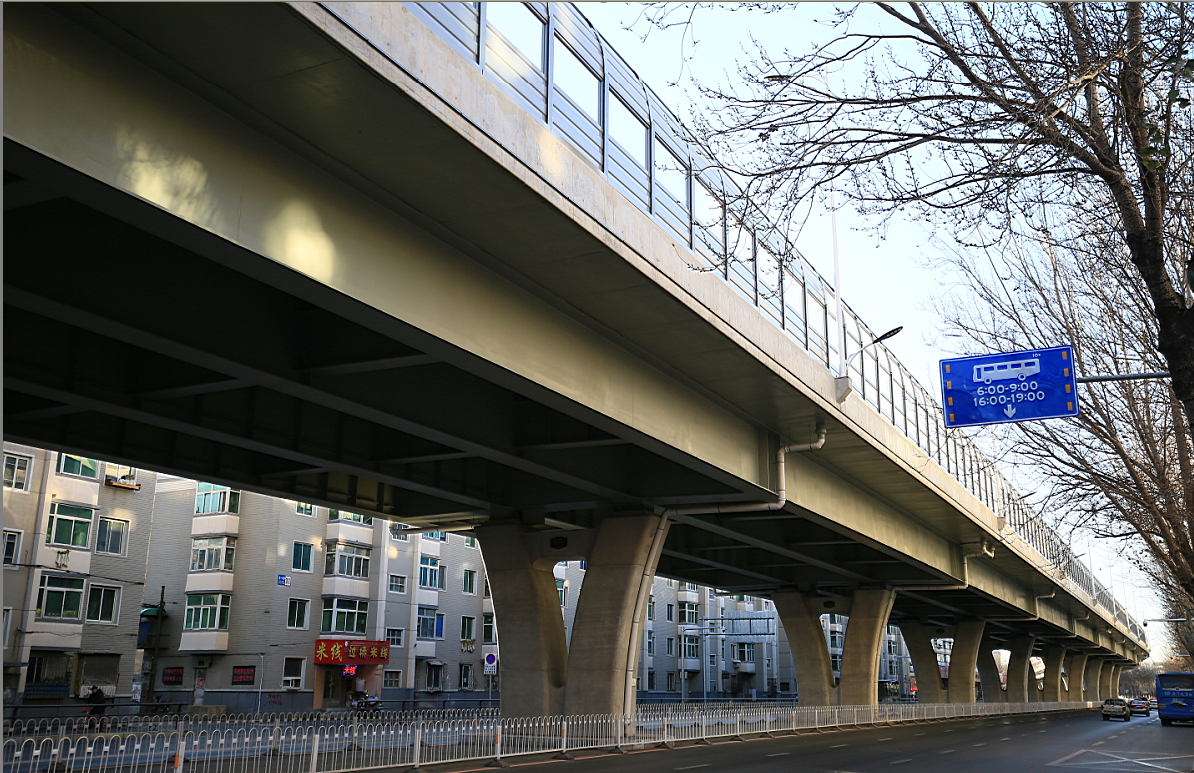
<point x="463" y="272"/>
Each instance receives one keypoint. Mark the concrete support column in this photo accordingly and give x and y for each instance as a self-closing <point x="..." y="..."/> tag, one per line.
<point x="800" y="615"/>
<point x="527" y="611"/>
<point x="1094" y="677"/>
<point x="869" y="611"/>
<point x="1018" y="669"/>
<point x="1116" y="670"/>
<point x="607" y="627"/>
<point x="929" y="688"/>
<point x="963" y="659"/>
<point x="1105" y="681"/>
<point x="1077" y="672"/>
<point x="1054" y="657"/>
<point x="988" y="672"/>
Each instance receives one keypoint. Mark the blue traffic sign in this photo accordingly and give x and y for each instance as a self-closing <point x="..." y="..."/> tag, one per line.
<point x="1009" y="387"/>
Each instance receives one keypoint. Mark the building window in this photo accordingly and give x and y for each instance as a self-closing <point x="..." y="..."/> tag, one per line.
<point x="345" y="615"/>
<point x="487" y="632"/>
<point x="670" y="648"/>
<point x="651" y="681"/>
<point x="397" y="583"/>
<point x="835" y="662"/>
<point x="713" y="659"/>
<point x="70" y="464"/>
<point x="486" y="587"/>
<point x="671" y="681"/>
<point x="391" y="680"/>
<point x="16" y="472"/>
<point x="120" y="473"/>
<point x="431" y="624"/>
<point x="341" y="515"/>
<point x="562" y="592"/>
<point x="688" y="613"/>
<point x="430" y="573"/>
<point x="396" y="530"/>
<point x="346" y="560"/>
<point x="292" y="673"/>
<point x="650" y="642"/>
<point x="110" y="536"/>
<point x="210" y="554"/>
<point x="12" y="547"/>
<point x="468" y="628"/>
<point x="207" y="612"/>
<point x="302" y="508"/>
<point x="210" y="498"/>
<point x="470" y="582"/>
<point x="835" y="639"/>
<point x="69" y="525"/>
<point x="466" y="676"/>
<point x="60" y="597"/>
<point x="470" y="542"/>
<point x="7" y="626"/>
<point x="296" y="616"/>
<point x="103" y="604"/>
<point x="744" y="651"/>
<point x="891" y="646"/>
<point x="692" y="646"/>
<point x="671" y="612"/>
<point x="394" y="636"/>
<point x="651" y="607"/>
<point x="301" y="560"/>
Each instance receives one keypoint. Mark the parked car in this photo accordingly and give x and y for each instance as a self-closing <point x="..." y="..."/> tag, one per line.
<point x="1117" y="708"/>
<point x="1152" y="703"/>
<point x="1140" y="706"/>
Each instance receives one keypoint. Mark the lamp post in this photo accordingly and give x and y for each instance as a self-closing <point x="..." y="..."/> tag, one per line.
<point x="842" y="382"/>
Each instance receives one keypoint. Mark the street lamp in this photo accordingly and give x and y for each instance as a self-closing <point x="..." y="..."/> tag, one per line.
<point x="842" y="382"/>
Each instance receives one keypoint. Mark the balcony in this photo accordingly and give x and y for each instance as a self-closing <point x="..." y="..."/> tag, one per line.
<point x="215" y="524"/>
<point x="744" y="666"/>
<point x="209" y="582"/>
<point x="203" y="641"/>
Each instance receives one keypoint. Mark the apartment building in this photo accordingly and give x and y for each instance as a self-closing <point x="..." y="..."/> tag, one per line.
<point x="76" y="536"/>
<point x="278" y="605"/>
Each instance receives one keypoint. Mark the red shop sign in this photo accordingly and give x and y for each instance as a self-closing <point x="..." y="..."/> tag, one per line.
<point x="356" y="651"/>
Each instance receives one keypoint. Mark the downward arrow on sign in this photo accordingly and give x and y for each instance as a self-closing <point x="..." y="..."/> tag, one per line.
<point x="1009" y="411"/>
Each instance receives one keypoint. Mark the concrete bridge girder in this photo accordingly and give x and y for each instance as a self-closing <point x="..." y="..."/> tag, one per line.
<point x="469" y="390"/>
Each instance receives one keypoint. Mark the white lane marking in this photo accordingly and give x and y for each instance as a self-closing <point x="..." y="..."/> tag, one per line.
<point x="884" y="739"/>
<point x="920" y="733"/>
<point x="1100" y="743"/>
<point x="947" y="731"/>
<point x="779" y="754"/>
<point x="949" y="751"/>
<point x="897" y="762"/>
<point x="694" y="767"/>
<point x="980" y="744"/>
<point x="837" y="746"/>
<point x="1005" y="739"/>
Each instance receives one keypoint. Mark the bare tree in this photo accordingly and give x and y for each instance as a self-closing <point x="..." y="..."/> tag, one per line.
<point x="1123" y="468"/>
<point x="993" y="120"/>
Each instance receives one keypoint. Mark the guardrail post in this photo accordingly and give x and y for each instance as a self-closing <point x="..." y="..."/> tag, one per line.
<point x="417" y="752"/>
<point x="703" y="719"/>
<point x="563" y="753"/>
<point x="497" y="761"/>
<point x="314" y="764"/>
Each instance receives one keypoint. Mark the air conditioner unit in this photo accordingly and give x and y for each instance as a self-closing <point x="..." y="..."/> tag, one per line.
<point x="292" y="683"/>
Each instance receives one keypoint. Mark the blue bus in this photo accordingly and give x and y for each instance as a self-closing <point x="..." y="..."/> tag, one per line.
<point x="1175" y="698"/>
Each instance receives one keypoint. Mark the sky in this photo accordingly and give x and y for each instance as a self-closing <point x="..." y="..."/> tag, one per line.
<point x="886" y="279"/>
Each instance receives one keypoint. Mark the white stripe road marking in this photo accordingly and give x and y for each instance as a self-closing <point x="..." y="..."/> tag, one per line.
<point x="949" y="751"/>
<point x="694" y="767"/>
<point x="779" y="754"/>
<point x="884" y="739"/>
<point x="897" y="762"/>
<point x="980" y="744"/>
<point x="1005" y="739"/>
<point x="838" y="746"/>
<point x="1100" y="743"/>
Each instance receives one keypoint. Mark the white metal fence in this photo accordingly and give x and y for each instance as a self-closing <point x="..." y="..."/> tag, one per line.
<point x="311" y="745"/>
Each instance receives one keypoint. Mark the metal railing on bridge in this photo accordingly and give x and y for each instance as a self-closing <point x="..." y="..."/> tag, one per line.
<point x="307" y="746"/>
<point x="552" y="62"/>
